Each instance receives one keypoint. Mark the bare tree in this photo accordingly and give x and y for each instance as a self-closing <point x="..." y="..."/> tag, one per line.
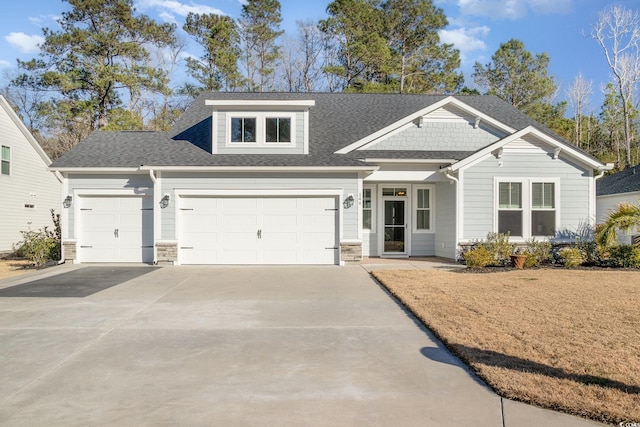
<point x="618" y="33"/>
<point x="578" y="94"/>
<point x="302" y="58"/>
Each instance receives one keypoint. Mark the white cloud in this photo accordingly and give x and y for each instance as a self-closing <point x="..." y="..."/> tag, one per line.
<point x="43" y="20"/>
<point x="167" y="17"/>
<point x="465" y="39"/>
<point x="24" y="43"/>
<point x="513" y="9"/>
<point x="173" y="7"/>
<point x="4" y="63"/>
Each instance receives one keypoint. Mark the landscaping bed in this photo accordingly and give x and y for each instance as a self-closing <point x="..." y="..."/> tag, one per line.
<point x="563" y="339"/>
<point x="13" y="267"/>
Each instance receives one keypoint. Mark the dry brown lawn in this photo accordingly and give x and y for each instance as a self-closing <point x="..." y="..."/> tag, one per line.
<point x="13" y="267"/>
<point x="562" y="339"/>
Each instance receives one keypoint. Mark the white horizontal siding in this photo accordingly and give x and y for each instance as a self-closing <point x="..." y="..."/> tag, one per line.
<point x="479" y="189"/>
<point x="445" y="236"/>
<point x="29" y="183"/>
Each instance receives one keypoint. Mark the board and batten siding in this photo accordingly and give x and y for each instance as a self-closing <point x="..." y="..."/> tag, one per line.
<point x="172" y="183"/>
<point x="445" y="237"/>
<point x="29" y="183"/>
<point x="102" y="183"/>
<point x="479" y="198"/>
<point x="220" y="133"/>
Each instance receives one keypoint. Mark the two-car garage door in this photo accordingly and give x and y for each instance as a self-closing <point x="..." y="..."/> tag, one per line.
<point x="257" y="230"/>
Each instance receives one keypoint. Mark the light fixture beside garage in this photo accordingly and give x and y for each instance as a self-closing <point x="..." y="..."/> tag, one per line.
<point x="348" y="202"/>
<point x="164" y="202"/>
<point x="67" y="201"/>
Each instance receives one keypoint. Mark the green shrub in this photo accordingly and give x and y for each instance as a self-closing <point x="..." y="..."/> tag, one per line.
<point x="624" y="256"/>
<point x="592" y="252"/>
<point x="570" y="257"/>
<point x="478" y="257"/>
<point x="538" y="252"/>
<point x="499" y="247"/>
<point x="42" y="245"/>
<point x="37" y="246"/>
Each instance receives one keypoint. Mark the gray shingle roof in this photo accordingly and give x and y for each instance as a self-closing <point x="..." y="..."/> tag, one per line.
<point x="625" y="181"/>
<point x="336" y="120"/>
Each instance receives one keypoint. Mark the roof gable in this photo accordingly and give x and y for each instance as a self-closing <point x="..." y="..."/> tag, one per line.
<point x="23" y="129"/>
<point x="444" y="108"/>
<point x="527" y="139"/>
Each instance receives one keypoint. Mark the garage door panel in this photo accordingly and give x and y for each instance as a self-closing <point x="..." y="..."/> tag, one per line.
<point x="254" y="230"/>
<point x="116" y="229"/>
<point x="241" y="220"/>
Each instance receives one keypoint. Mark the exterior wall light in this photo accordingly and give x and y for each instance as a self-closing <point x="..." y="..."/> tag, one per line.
<point x="348" y="202"/>
<point x="67" y="201"/>
<point x="164" y="202"/>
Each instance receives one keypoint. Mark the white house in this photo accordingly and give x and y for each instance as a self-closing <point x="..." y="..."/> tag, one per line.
<point x="322" y="178"/>
<point x="29" y="190"/>
<point x="617" y="188"/>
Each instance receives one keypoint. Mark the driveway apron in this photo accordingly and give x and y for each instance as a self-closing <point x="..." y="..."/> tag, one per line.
<point x="236" y="346"/>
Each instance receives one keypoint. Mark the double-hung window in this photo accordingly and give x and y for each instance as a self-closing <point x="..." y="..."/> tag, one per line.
<point x="543" y="209"/>
<point x="5" y="160"/>
<point x="423" y="209"/>
<point x="510" y="208"/>
<point x="527" y="208"/>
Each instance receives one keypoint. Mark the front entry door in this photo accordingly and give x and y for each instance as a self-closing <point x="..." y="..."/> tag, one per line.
<point x="395" y="226"/>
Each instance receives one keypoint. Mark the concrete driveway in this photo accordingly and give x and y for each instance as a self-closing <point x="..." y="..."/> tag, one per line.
<point x="235" y="346"/>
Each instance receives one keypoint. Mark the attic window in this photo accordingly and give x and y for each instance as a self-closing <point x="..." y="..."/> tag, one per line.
<point x="278" y="129"/>
<point x="261" y="129"/>
<point x="243" y="129"/>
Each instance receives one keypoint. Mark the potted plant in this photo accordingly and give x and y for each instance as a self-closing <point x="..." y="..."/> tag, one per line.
<point x="517" y="259"/>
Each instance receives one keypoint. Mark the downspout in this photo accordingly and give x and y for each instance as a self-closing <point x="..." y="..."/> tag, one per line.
<point x="447" y="173"/>
<point x="594" y="205"/>
<point x="156" y="213"/>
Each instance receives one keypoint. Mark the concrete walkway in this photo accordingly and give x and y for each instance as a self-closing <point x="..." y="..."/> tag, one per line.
<point x="237" y="346"/>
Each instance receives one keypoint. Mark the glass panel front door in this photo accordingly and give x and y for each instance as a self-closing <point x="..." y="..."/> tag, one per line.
<point x="394" y="226"/>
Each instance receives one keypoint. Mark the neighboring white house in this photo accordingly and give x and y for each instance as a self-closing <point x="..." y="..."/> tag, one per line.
<point x="322" y="178"/>
<point x="28" y="190"/>
<point x="617" y="188"/>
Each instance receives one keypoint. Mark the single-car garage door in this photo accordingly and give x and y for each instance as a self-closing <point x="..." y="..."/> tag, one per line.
<point x="116" y="229"/>
<point x="258" y="230"/>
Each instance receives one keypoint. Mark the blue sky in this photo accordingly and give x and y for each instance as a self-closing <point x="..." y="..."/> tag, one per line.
<point x="476" y="27"/>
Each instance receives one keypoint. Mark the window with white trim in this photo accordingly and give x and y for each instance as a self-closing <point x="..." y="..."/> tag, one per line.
<point x="527" y="208"/>
<point x="543" y="209"/>
<point x="5" y="160"/>
<point x="368" y="209"/>
<point x="243" y="129"/>
<point x="278" y="129"/>
<point x="423" y="208"/>
<point x="510" y="208"/>
<point x="261" y="128"/>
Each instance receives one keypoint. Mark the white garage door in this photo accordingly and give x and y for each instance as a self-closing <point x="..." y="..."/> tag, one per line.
<point x="116" y="229"/>
<point x="269" y="230"/>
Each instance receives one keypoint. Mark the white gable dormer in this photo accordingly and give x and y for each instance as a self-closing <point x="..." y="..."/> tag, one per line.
<point x="260" y="126"/>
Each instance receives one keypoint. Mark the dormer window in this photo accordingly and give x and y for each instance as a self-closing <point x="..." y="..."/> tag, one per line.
<point x="260" y="125"/>
<point x="278" y="129"/>
<point x="261" y="128"/>
<point x="243" y="129"/>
